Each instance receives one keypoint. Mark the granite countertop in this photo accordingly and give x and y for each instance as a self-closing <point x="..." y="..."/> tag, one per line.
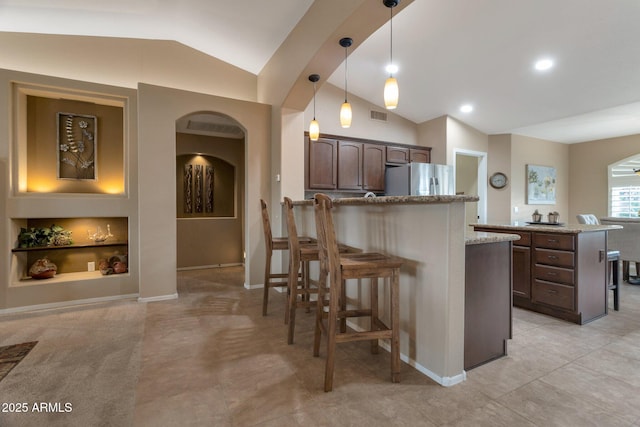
<point x="395" y="200"/>
<point x="482" y="237"/>
<point x="564" y="228"/>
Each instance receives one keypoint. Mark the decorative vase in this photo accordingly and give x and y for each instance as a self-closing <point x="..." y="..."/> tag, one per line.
<point x="42" y="269"/>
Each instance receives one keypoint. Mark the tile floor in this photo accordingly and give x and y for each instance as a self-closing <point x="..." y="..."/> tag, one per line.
<point x="210" y="359"/>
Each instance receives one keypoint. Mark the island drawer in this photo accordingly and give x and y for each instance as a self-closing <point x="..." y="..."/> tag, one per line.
<point x="555" y="241"/>
<point x="565" y="276"/>
<point x="553" y="257"/>
<point x="553" y="294"/>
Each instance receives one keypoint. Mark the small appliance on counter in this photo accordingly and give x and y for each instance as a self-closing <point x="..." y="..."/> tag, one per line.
<point x="419" y="179"/>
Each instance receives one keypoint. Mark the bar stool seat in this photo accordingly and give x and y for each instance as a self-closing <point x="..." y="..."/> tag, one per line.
<point x="339" y="269"/>
<point x="272" y="280"/>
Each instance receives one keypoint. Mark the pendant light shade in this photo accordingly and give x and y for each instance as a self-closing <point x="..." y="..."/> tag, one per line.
<point x="391" y="91"/>
<point x="345" y="115"/>
<point x="345" y="111"/>
<point x="314" y="126"/>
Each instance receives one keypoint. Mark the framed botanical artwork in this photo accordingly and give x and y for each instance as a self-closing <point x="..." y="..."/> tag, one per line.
<point x="77" y="146"/>
<point x="541" y="185"/>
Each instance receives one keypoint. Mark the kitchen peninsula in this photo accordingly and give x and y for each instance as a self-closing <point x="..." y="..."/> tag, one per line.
<point x="559" y="270"/>
<point x="428" y="233"/>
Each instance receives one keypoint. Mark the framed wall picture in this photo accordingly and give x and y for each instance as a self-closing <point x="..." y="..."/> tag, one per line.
<point x="77" y="146"/>
<point x="541" y="185"/>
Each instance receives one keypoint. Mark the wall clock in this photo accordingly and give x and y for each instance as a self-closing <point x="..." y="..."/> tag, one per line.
<point x="498" y="180"/>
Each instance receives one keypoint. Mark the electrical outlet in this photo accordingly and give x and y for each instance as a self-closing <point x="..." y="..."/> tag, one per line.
<point x="91" y="266"/>
<point x="515" y="209"/>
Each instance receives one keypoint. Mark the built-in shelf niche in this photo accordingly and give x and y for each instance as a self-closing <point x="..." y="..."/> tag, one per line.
<point x="36" y="144"/>
<point x="72" y="260"/>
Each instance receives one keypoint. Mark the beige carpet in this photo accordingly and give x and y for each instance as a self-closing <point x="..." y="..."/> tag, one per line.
<point x="11" y="355"/>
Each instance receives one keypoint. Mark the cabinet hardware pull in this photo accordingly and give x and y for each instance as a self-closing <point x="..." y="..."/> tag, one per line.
<point x="551" y="273"/>
<point x="552" y="292"/>
<point x="552" y="240"/>
<point x="552" y="257"/>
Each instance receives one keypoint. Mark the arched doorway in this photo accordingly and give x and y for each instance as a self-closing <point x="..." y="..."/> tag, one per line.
<point x="210" y="188"/>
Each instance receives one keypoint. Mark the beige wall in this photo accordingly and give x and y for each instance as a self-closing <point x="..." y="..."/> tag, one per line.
<point x="461" y="136"/>
<point x="588" y="164"/>
<point x="159" y="109"/>
<point x="526" y="150"/>
<point x="433" y="133"/>
<point x="499" y="160"/>
<point x="125" y="62"/>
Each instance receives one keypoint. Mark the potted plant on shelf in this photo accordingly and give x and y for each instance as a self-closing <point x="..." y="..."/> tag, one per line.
<point x="35" y="237"/>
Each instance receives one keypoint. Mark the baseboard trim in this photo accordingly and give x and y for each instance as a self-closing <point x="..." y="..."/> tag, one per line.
<point x="443" y="381"/>
<point x="66" y="304"/>
<point x="204" y="267"/>
<point x="159" y="298"/>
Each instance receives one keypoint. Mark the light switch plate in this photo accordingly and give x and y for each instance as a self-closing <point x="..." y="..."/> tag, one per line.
<point x="91" y="266"/>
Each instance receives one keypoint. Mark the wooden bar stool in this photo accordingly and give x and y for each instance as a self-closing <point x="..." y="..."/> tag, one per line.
<point x="300" y="285"/>
<point x="272" y="280"/>
<point x="339" y="269"/>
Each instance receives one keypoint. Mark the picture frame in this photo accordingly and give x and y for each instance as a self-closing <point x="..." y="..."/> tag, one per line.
<point x="541" y="185"/>
<point x="77" y="143"/>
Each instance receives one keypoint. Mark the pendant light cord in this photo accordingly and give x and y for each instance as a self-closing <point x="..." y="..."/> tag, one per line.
<point x="391" y="42"/>
<point x="345" y="73"/>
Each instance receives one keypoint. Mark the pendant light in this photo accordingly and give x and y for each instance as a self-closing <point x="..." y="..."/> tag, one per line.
<point x="314" y="127"/>
<point x="391" y="92"/>
<point x="345" y="110"/>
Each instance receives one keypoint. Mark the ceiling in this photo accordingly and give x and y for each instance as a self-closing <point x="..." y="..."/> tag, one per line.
<point x="449" y="52"/>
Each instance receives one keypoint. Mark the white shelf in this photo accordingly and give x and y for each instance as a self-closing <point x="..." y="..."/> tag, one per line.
<point x="65" y="278"/>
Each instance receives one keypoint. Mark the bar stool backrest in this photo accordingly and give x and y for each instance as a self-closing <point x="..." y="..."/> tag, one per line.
<point x="266" y="226"/>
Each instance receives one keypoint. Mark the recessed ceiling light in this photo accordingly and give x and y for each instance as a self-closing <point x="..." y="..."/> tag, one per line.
<point x="466" y="108"/>
<point x="544" y="64"/>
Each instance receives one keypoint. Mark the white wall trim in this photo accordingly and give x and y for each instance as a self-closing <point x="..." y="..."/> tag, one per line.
<point x="66" y="304"/>
<point x="443" y="381"/>
<point x="482" y="179"/>
<point x="159" y="298"/>
<point x="204" y="267"/>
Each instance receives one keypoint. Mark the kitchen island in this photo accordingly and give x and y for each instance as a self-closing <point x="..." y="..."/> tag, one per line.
<point x="428" y="234"/>
<point x="559" y="270"/>
<point x="487" y="302"/>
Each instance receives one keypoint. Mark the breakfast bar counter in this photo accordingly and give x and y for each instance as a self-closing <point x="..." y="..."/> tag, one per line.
<point x="428" y="234"/>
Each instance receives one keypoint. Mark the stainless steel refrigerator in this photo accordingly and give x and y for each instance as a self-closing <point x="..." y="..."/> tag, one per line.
<point x="419" y="179"/>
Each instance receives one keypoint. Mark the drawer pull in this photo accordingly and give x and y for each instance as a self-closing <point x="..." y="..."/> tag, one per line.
<point x="552" y="257"/>
<point x="551" y="273"/>
<point x="552" y="291"/>
<point x="552" y="240"/>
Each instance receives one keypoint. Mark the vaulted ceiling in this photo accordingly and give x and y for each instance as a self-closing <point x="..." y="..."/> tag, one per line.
<point x="449" y="53"/>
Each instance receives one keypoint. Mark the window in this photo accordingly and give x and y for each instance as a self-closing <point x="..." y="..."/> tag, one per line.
<point x="625" y="201"/>
<point x="624" y="188"/>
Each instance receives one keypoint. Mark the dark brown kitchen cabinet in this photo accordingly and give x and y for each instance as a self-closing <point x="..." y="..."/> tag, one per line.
<point x="397" y="154"/>
<point x="354" y="165"/>
<point x="522" y="271"/>
<point x="323" y="164"/>
<point x="350" y="165"/>
<point x="419" y="155"/>
<point x="373" y="164"/>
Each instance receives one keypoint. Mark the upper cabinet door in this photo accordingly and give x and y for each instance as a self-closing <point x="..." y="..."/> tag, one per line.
<point x="374" y="159"/>
<point x="420" y="156"/>
<point x="349" y="165"/>
<point x="323" y="164"/>
<point x="397" y="154"/>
